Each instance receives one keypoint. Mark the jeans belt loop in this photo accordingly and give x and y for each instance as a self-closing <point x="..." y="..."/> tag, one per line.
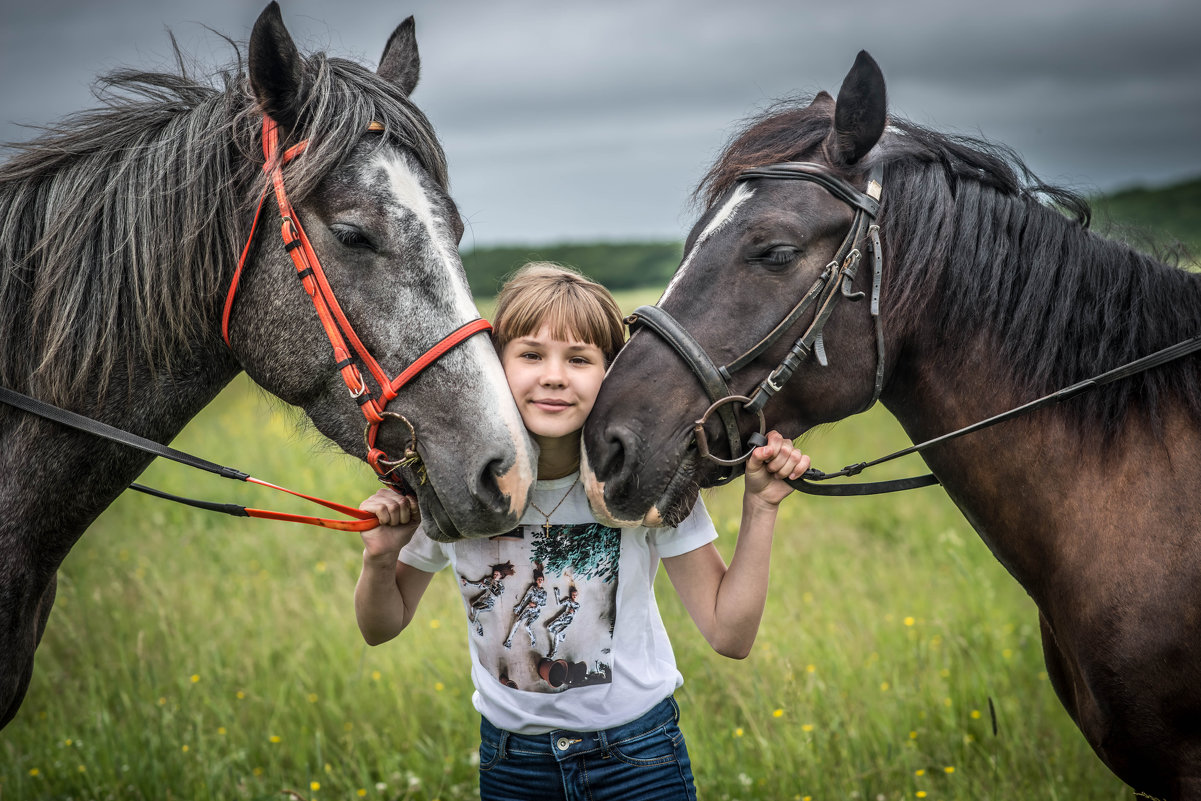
<point x="504" y="744"/>
<point x="604" y="744"/>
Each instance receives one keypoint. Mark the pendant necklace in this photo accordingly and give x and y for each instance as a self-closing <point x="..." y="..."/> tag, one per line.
<point x="546" y="525"/>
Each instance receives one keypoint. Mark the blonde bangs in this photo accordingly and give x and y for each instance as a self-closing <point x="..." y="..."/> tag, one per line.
<point x="573" y="306"/>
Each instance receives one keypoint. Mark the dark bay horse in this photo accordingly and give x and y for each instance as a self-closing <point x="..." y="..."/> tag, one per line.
<point x="990" y="297"/>
<point x="120" y="231"/>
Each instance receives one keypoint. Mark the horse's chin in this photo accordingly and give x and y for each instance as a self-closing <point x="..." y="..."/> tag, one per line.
<point x="672" y="507"/>
<point x="434" y="520"/>
<point x="678" y="497"/>
<point x="438" y="525"/>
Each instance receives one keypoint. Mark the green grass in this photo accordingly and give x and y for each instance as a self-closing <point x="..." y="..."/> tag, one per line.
<point x="196" y="656"/>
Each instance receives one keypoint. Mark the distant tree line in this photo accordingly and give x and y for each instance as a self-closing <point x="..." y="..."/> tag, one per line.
<point x="1160" y="217"/>
<point x="618" y="266"/>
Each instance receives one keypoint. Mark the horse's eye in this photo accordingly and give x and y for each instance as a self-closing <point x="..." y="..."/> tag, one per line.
<point x="351" y="236"/>
<point x="779" y="256"/>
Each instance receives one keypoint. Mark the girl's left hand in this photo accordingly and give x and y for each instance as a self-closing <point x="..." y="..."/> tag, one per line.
<point x="771" y="465"/>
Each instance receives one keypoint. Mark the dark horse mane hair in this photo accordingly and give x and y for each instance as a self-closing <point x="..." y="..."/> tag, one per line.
<point x="120" y="226"/>
<point x="982" y="248"/>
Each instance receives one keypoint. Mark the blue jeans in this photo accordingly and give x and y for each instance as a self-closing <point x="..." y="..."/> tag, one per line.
<point x="645" y="760"/>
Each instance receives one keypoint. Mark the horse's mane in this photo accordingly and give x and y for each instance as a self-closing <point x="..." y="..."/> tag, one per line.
<point x="975" y="244"/>
<point x="120" y="226"/>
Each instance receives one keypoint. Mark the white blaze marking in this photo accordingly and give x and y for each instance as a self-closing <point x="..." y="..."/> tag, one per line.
<point x="741" y="194"/>
<point x="409" y="194"/>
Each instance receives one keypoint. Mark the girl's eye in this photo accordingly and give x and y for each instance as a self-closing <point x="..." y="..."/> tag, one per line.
<point x="351" y="236"/>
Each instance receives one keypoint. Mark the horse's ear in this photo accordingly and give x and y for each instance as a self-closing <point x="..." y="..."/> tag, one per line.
<point x="401" y="63"/>
<point x="859" y="114"/>
<point x="822" y="101"/>
<point x="276" y="69"/>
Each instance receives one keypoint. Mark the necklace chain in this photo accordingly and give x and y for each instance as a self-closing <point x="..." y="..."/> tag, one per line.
<point x="546" y="525"/>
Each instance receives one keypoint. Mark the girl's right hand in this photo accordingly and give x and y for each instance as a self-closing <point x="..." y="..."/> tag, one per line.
<point x="398" y="517"/>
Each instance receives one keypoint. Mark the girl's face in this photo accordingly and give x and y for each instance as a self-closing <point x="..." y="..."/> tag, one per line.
<point x="554" y="381"/>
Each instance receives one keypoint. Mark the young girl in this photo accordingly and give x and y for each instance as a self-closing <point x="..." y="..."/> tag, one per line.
<point x="583" y="707"/>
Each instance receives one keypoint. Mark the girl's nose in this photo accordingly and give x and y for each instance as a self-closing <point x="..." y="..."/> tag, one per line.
<point x="552" y="373"/>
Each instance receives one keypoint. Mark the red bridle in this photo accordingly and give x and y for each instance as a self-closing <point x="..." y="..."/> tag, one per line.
<point x="337" y="327"/>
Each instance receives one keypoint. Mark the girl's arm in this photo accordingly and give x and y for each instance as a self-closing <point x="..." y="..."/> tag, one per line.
<point x="726" y="603"/>
<point x="388" y="590"/>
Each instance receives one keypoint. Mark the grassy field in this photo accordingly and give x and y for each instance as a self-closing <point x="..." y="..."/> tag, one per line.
<point x="196" y="656"/>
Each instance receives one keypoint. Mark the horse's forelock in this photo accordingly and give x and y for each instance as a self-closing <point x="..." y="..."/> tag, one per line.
<point x="344" y="98"/>
<point x="781" y="133"/>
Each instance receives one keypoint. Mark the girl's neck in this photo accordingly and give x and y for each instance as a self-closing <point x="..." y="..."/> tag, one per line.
<point x="558" y="456"/>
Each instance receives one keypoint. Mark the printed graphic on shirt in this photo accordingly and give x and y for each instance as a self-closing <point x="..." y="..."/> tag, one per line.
<point x="541" y="603"/>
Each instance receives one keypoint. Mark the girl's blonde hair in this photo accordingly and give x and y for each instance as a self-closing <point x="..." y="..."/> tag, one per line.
<point x="574" y="306"/>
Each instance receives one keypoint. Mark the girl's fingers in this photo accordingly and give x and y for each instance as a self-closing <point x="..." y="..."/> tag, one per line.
<point x="391" y="508"/>
<point x="780" y="457"/>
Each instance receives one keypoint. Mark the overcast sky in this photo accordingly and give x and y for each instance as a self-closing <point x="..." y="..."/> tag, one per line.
<point x="594" y="121"/>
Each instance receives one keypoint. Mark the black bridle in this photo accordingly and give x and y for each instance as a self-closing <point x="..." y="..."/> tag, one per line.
<point x="834" y="282"/>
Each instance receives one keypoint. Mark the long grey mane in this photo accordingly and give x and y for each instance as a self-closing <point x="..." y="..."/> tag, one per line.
<point x="120" y="226"/>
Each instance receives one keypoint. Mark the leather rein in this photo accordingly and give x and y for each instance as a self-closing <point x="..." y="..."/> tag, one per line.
<point x="342" y="338"/>
<point x="821" y="296"/>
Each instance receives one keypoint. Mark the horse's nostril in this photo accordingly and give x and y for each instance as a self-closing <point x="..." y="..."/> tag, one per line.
<point x="611" y="463"/>
<point x="487" y="487"/>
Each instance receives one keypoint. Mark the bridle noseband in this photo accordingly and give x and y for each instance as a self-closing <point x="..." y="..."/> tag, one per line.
<point x="834" y="282"/>
<point x="337" y="327"/>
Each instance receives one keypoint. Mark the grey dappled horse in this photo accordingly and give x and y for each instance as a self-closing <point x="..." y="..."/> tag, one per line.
<point x="121" y="230"/>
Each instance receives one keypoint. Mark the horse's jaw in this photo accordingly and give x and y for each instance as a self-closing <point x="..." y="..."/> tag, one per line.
<point x="672" y="506"/>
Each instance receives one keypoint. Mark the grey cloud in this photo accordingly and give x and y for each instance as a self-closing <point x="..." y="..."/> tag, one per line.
<point x="567" y="121"/>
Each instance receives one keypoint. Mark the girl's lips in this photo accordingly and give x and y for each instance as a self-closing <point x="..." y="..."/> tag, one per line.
<point x="551" y="405"/>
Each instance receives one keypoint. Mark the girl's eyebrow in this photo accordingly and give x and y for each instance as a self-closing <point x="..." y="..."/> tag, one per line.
<point x="534" y="342"/>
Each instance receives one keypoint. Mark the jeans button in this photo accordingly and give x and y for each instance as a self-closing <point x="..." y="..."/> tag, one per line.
<point x="562" y="743"/>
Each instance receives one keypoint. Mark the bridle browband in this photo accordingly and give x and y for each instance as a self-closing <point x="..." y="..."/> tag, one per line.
<point x="337" y="327"/>
<point x="834" y="282"/>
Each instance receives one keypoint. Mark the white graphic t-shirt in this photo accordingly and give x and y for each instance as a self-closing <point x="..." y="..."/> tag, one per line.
<point x="563" y="627"/>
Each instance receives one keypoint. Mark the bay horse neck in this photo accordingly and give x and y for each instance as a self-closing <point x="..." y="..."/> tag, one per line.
<point x="1001" y="292"/>
<point x="974" y="256"/>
